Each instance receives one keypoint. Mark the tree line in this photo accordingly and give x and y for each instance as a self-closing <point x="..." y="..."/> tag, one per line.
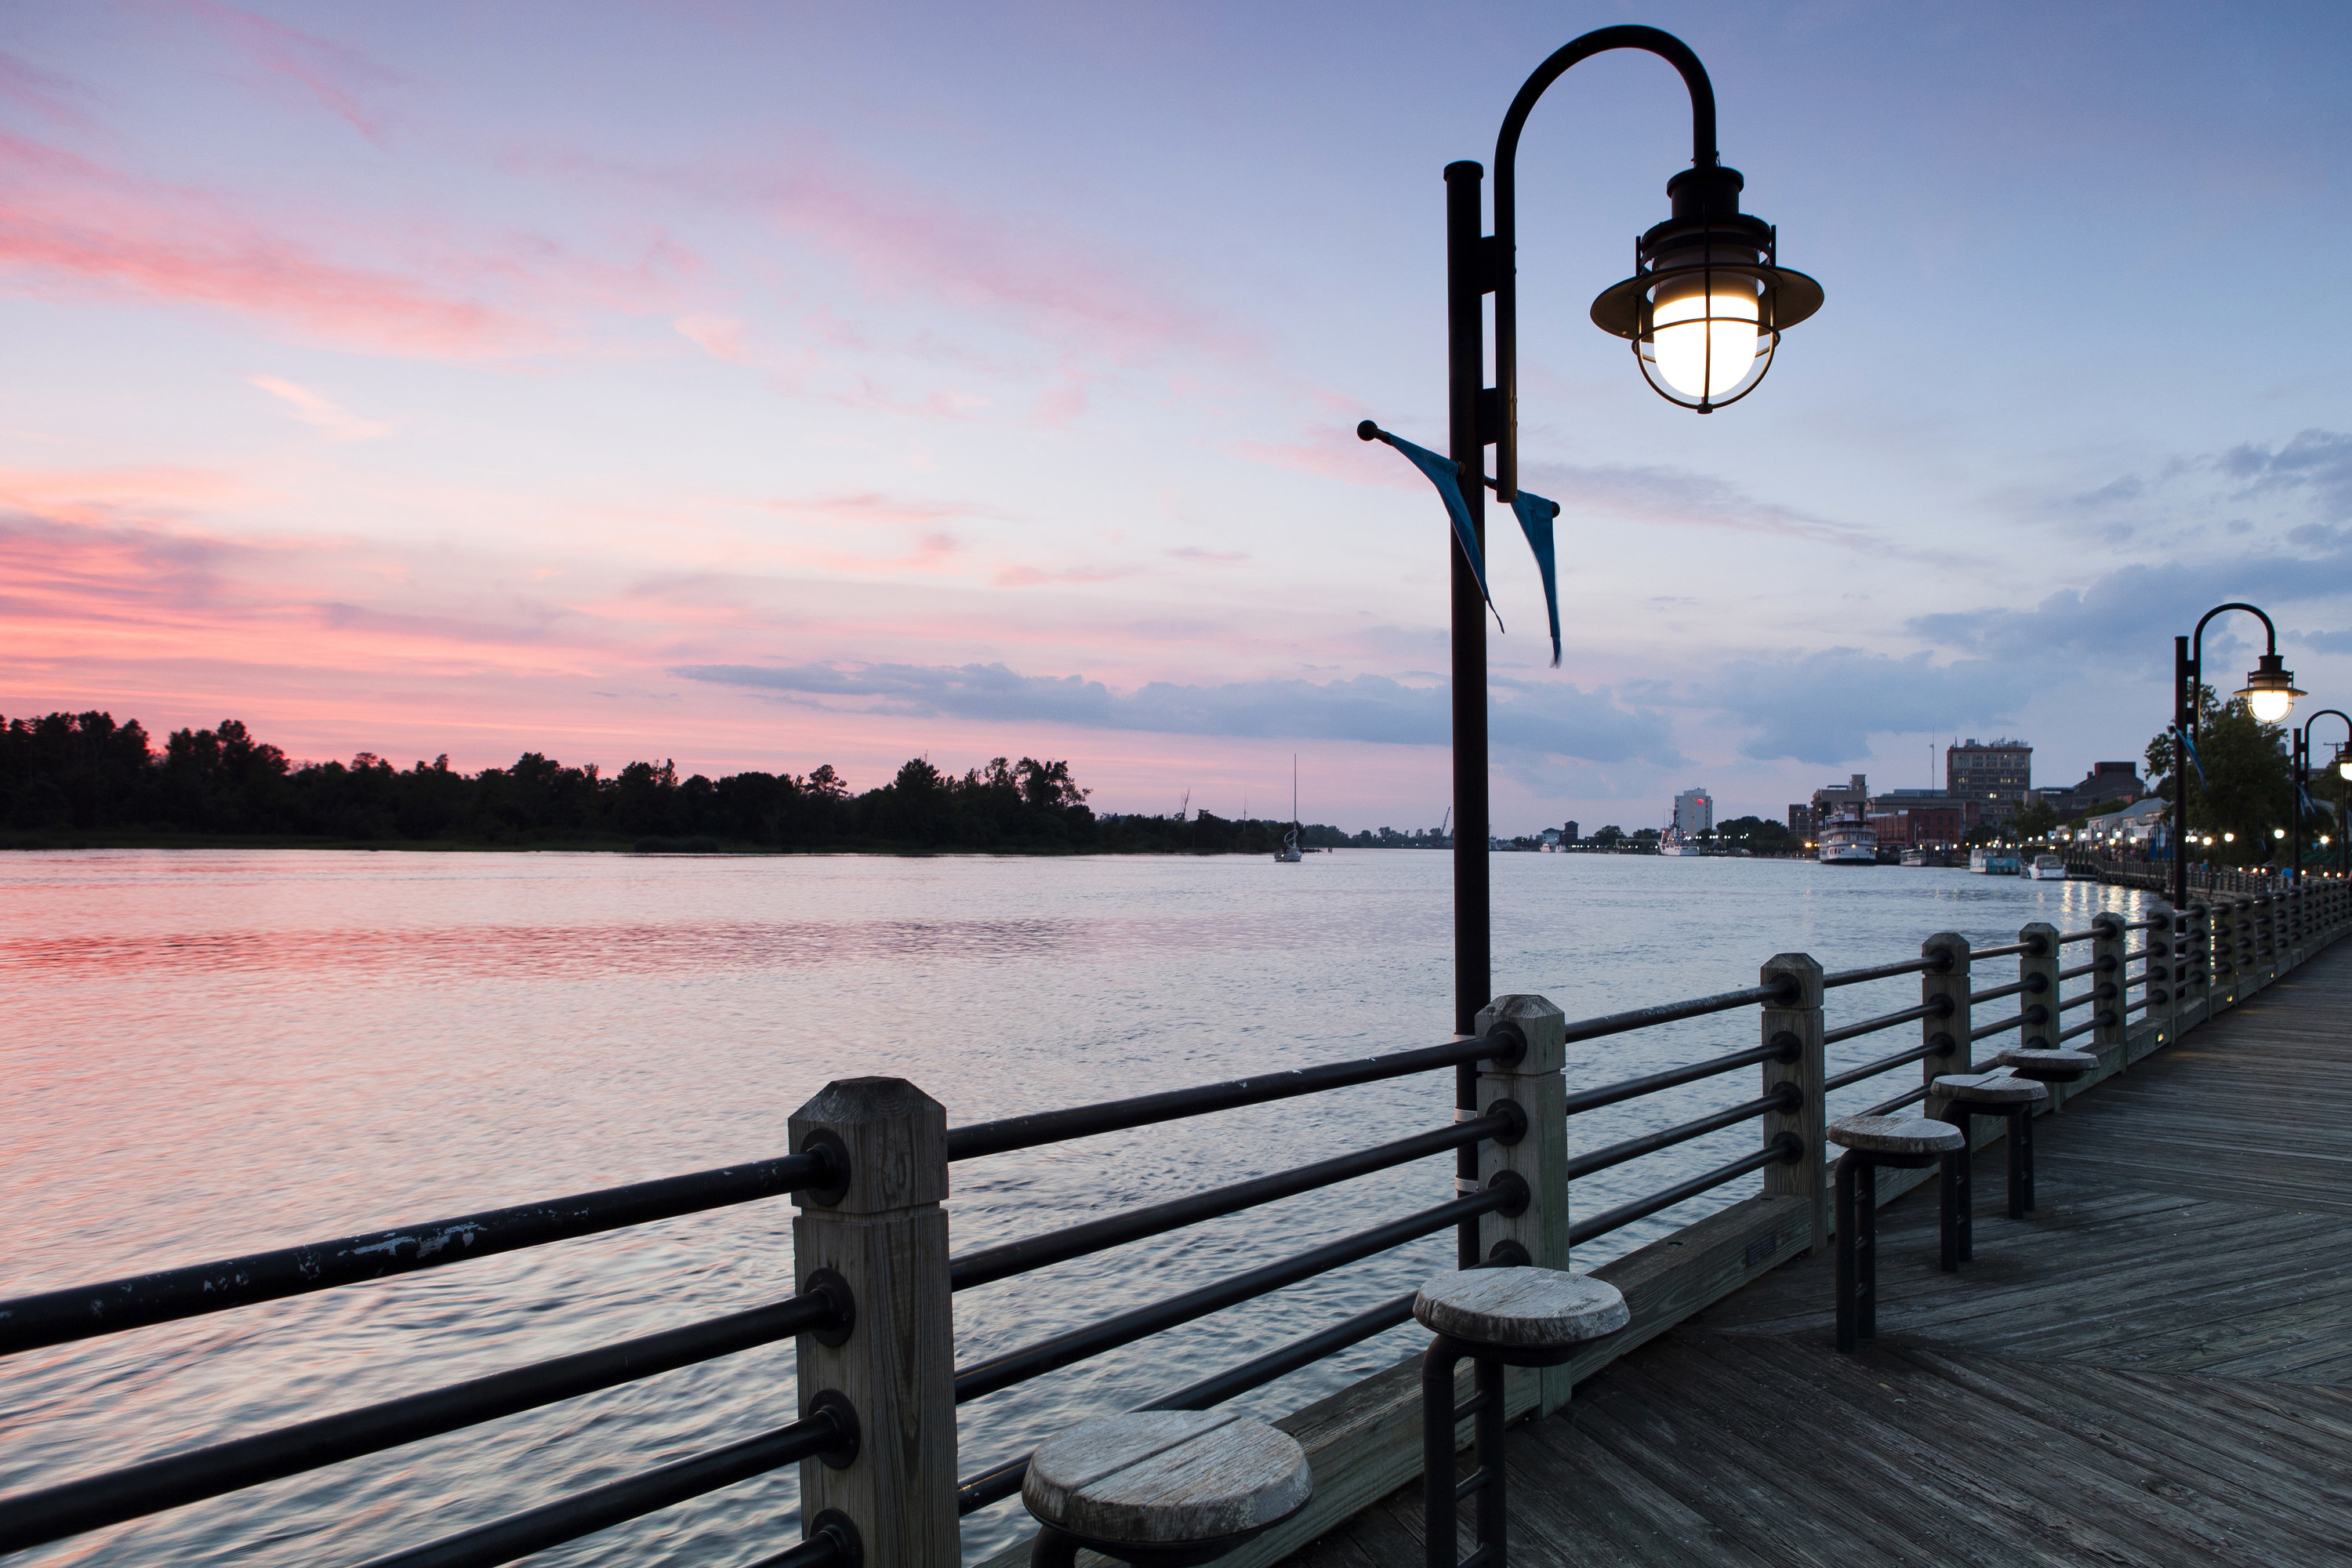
<point x="82" y="778"/>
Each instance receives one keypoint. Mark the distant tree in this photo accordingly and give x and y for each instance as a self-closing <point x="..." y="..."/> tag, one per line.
<point x="2033" y="821"/>
<point x="2247" y="782"/>
<point x="1610" y="837"/>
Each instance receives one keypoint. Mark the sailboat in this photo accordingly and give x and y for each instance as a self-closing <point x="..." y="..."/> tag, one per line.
<point x="1289" y="855"/>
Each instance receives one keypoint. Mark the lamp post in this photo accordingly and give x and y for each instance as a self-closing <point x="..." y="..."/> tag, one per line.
<point x="2342" y="765"/>
<point x="2269" y="691"/>
<point x="1704" y="313"/>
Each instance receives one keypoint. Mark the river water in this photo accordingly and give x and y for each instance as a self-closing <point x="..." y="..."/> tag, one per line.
<point x="212" y="1052"/>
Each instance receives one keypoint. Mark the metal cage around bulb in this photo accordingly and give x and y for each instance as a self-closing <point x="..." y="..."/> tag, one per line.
<point x="1709" y="254"/>
<point x="2270" y="689"/>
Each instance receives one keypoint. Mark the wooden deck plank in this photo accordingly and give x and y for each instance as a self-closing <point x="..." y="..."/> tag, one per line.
<point x="2154" y="1368"/>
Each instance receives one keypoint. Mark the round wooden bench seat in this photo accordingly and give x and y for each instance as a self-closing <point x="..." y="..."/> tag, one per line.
<point x="1520" y="1308"/>
<point x="1990" y="1088"/>
<point x="1163" y="1487"/>
<point x="2050" y="1067"/>
<point x="1900" y="1136"/>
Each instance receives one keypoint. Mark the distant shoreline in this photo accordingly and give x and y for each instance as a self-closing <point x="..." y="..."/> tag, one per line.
<point x="41" y="843"/>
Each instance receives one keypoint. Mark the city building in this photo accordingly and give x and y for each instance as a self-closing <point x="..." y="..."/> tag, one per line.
<point x="2104" y="782"/>
<point x="1927" y="828"/>
<point x="2000" y="773"/>
<point x="1801" y="819"/>
<point x="1832" y="799"/>
<point x="1567" y="834"/>
<point x="1694" y="813"/>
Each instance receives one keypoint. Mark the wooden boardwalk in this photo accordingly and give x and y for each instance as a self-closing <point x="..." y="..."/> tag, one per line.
<point x="2152" y="1369"/>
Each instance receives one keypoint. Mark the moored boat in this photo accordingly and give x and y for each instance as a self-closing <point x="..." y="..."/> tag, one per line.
<point x="1848" y="839"/>
<point x="2048" y="868"/>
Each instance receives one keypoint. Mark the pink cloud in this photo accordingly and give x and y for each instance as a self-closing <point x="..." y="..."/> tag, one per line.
<point x="68" y="225"/>
<point x="331" y="420"/>
<point x="335" y="74"/>
<point x="722" y="337"/>
<point x="1055" y="284"/>
<point x="1038" y="577"/>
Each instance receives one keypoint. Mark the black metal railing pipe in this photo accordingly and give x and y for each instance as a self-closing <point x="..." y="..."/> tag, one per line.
<point x="1673" y="1012"/>
<point x="1998" y="992"/>
<point x="1003" y="1371"/>
<point x="1991" y="1029"/>
<point x="2069" y="1003"/>
<point x="76" y="1506"/>
<point x="1174" y="1105"/>
<point x="2008" y="950"/>
<point x="2085" y="967"/>
<point x="84" y="1312"/>
<point x="1943" y="1045"/>
<point x="2085" y="1027"/>
<point x="1583" y="1100"/>
<point x="1000" y="1481"/>
<point x="1887" y="1107"/>
<point x="1940" y="1007"/>
<point x="2074" y="936"/>
<point x="831" y="1429"/>
<point x="1787" y="1098"/>
<point x="987" y="1265"/>
<point x="1938" y="963"/>
<point x="1786" y="1148"/>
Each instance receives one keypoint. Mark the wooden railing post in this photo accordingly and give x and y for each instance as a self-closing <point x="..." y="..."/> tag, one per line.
<point x="1947" y="989"/>
<point x="2198" y="981"/>
<point x="2166" y="972"/>
<point x="1797" y="1019"/>
<point x="2107" y="950"/>
<point x="1540" y="1156"/>
<point x="883" y="1233"/>
<point x="2039" y="1004"/>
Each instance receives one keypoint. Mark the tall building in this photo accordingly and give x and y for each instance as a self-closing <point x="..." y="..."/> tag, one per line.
<point x="1694" y="813"/>
<point x="1567" y="834"/>
<point x="1801" y="819"/>
<point x="1830" y="800"/>
<point x="2000" y="773"/>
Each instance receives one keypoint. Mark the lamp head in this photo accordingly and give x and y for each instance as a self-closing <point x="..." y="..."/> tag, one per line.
<point x="2344" y="760"/>
<point x="1707" y="302"/>
<point x="2270" y="689"/>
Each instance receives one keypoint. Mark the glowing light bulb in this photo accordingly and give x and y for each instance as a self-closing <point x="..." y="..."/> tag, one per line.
<point x="2272" y="705"/>
<point x="1705" y="344"/>
<point x="2345" y="768"/>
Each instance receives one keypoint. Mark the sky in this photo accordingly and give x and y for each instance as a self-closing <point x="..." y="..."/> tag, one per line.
<point x="761" y="386"/>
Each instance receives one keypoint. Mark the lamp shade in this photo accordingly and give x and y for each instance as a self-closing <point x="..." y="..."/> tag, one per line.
<point x="2270" y="689"/>
<point x="1707" y="301"/>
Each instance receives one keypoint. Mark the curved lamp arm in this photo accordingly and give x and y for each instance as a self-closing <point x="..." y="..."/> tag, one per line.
<point x="1675" y="53"/>
<point x="2197" y="652"/>
<point x="2197" y="639"/>
<point x="2324" y="713"/>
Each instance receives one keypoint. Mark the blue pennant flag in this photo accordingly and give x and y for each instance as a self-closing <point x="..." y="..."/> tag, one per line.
<point x="2188" y="746"/>
<point x="1534" y="521"/>
<point x="1446" y="475"/>
<point x="2310" y="807"/>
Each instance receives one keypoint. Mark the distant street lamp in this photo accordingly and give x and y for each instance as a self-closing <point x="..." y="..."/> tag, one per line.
<point x="1704" y="313"/>
<point x="2302" y="777"/>
<point x="2269" y="691"/>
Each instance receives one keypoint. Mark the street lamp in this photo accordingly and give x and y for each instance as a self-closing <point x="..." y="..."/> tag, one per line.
<point x="2343" y="765"/>
<point x="1704" y="313"/>
<point x="2269" y="691"/>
